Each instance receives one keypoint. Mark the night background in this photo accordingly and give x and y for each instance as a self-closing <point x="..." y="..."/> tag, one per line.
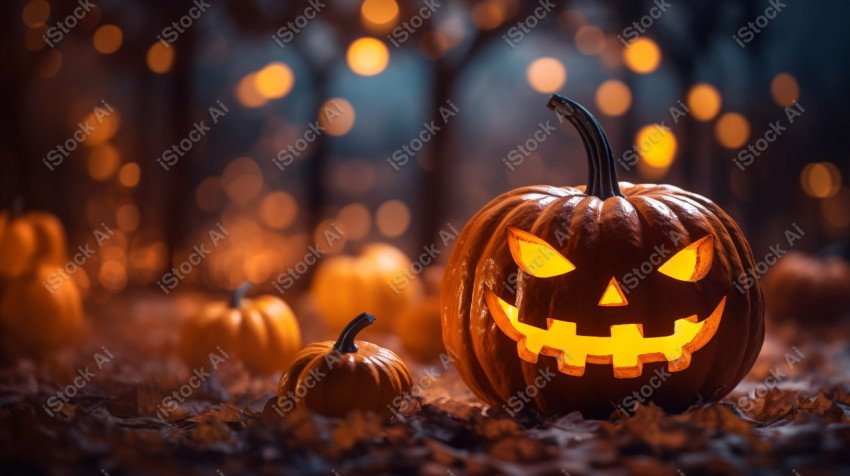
<point x="259" y="132"/>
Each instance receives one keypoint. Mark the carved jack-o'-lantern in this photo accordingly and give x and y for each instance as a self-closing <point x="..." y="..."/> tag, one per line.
<point x="603" y="290"/>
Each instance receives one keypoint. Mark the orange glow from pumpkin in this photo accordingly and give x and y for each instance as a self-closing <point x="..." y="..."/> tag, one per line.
<point x="626" y="349"/>
<point x="692" y="263"/>
<point x="535" y="256"/>
<point x="613" y="295"/>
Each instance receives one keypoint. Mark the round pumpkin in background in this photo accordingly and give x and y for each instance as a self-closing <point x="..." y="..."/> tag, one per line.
<point x="36" y="320"/>
<point x="28" y="240"/>
<point x="808" y="288"/>
<point x="379" y="278"/>
<point x="418" y="328"/>
<point x="336" y="378"/>
<point x="261" y="331"/>
<point x="589" y="294"/>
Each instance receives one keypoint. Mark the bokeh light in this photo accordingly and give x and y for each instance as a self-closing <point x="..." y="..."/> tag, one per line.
<point x="160" y="58"/>
<point x="103" y="123"/>
<point x="247" y="93"/>
<point x="836" y="209"/>
<point x="129" y="175"/>
<point x="278" y="210"/>
<point x="210" y="195"/>
<point x="613" y="98"/>
<point x="488" y="14"/>
<point x="127" y="217"/>
<point x="821" y="179"/>
<point x="704" y="101"/>
<point x="379" y="15"/>
<point x="274" y="81"/>
<point x="51" y="64"/>
<point x="242" y="179"/>
<point x="784" y="89"/>
<point x="656" y="146"/>
<point x="590" y="40"/>
<point x="336" y="116"/>
<point x="103" y="161"/>
<point x="108" y="39"/>
<point x="642" y="56"/>
<point x="732" y="130"/>
<point x="546" y="75"/>
<point x="392" y="218"/>
<point x="355" y="220"/>
<point x="36" y="13"/>
<point x="367" y="56"/>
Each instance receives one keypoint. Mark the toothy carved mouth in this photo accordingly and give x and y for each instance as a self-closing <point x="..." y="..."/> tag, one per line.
<point x="626" y="349"/>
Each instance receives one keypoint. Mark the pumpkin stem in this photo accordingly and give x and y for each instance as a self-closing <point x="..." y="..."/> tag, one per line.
<point x="239" y="294"/>
<point x="602" y="173"/>
<point x="345" y="343"/>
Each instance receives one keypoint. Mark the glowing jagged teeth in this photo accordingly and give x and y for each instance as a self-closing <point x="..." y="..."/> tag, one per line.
<point x="626" y="349"/>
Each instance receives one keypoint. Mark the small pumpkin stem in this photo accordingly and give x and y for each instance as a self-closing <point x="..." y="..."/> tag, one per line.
<point x="602" y="170"/>
<point x="345" y="343"/>
<point x="239" y="294"/>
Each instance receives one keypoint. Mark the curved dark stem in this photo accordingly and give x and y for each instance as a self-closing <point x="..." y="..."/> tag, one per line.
<point x="345" y="343"/>
<point x="239" y="294"/>
<point x="602" y="170"/>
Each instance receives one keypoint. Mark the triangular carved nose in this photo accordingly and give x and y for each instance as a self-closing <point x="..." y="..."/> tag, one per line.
<point x="613" y="295"/>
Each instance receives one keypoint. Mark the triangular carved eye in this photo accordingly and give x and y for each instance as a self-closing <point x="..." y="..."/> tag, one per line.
<point x="535" y="256"/>
<point x="692" y="263"/>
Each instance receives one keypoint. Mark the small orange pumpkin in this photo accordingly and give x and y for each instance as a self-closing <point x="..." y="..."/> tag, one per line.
<point x="262" y="332"/>
<point x="420" y="331"/>
<point x="378" y="279"/>
<point x="336" y="378"/>
<point x="35" y="320"/>
<point x="34" y="236"/>
<point x="808" y="288"/>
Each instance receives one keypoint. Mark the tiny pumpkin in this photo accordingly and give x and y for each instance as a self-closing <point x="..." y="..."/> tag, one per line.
<point x="532" y="298"/>
<point x="336" y="378"/>
<point x="32" y="238"/>
<point x="378" y="279"/>
<point x="262" y="332"/>
<point x="418" y="327"/>
<point x="808" y="288"/>
<point x="35" y="320"/>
